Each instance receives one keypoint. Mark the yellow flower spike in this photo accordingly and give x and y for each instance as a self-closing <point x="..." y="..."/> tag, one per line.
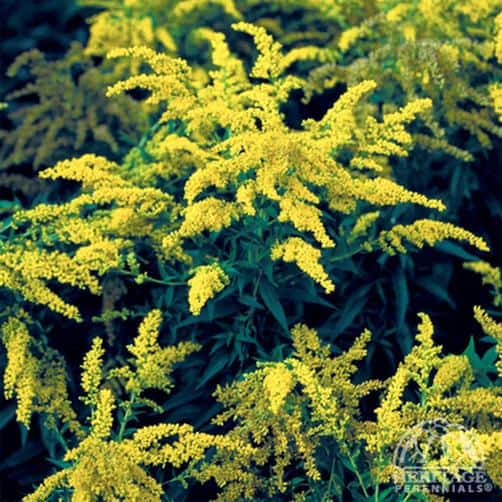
<point x="306" y="257"/>
<point x="395" y="14"/>
<point x="490" y="326"/>
<point x="47" y="487"/>
<point x="490" y="275"/>
<point x="102" y="420"/>
<point x="392" y="421"/>
<point x="27" y="269"/>
<point x="305" y="340"/>
<point x="362" y="225"/>
<point x="339" y="121"/>
<point x="148" y="332"/>
<point x="170" y="76"/>
<point x="154" y="364"/>
<point x="277" y="383"/>
<point x="245" y="197"/>
<point x="20" y="372"/>
<point x="92" y="373"/>
<point x="429" y="232"/>
<point x="229" y="67"/>
<point x="452" y="370"/>
<point x="206" y="282"/>
<point x="208" y="214"/>
<point x="35" y="375"/>
<point x="349" y="37"/>
<point x="305" y="217"/>
<point x="268" y="64"/>
<point x="91" y="170"/>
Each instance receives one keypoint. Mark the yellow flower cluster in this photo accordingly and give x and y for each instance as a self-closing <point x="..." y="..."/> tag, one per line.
<point x="106" y="466"/>
<point x="52" y="126"/>
<point x="224" y="161"/>
<point x="452" y="370"/>
<point x="285" y="409"/>
<point x="21" y="370"/>
<point x="101" y="470"/>
<point x="312" y="380"/>
<point x="27" y="269"/>
<point x="278" y="383"/>
<point x="423" y="232"/>
<point x="306" y="256"/>
<point x="491" y="276"/>
<point x="427" y="49"/>
<point x="449" y="395"/>
<point x="92" y="371"/>
<point x="98" y="241"/>
<point x="305" y="217"/>
<point x="281" y="162"/>
<point x="152" y="363"/>
<point x="258" y="159"/>
<point x="492" y="328"/>
<point x="462" y="450"/>
<point x="102" y="419"/>
<point x="362" y="225"/>
<point x="206" y="282"/>
<point x="35" y="375"/>
<point x="280" y="414"/>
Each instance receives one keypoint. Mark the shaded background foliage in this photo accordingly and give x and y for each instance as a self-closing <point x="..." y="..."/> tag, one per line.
<point x="384" y="293"/>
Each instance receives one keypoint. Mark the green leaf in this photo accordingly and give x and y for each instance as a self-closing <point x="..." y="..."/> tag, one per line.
<point x="181" y="398"/>
<point x="216" y="364"/>
<point x="352" y="309"/>
<point x="204" y="418"/>
<point x="455" y="250"/>
<point x="271" y="300"/>
<point x="6" y="415"/>
<point x="472" y="355"/>
<point x="401" y="295"/>
<point x="29" y="451"/>
<point x="436" y="289"/>
<point x="482" y="366"/>
<point x="250" y="301"/>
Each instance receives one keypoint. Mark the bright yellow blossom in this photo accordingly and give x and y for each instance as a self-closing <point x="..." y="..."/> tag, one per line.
<point x="426" y="232"/>
<point x="206" y="282"/>
<point x="307" y="258"/>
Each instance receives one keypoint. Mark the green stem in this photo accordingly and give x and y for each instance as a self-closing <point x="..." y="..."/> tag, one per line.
<point x="61" y="439"/>
<point x="409" y="494"/>
<point x="252" y="310"/>
<point x="358" y="475"/>
<point x="151" y="279"/>
<point x="351" y="253"/>
<point x="327" y="496"/>
<point x="127" y="414"/>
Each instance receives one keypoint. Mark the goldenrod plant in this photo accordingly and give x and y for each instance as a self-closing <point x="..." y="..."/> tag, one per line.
<point x="219" y="221"/>
<point x="71" y="111"/>
<point x="242" y="170"/>
<point x="284" y="414"/>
